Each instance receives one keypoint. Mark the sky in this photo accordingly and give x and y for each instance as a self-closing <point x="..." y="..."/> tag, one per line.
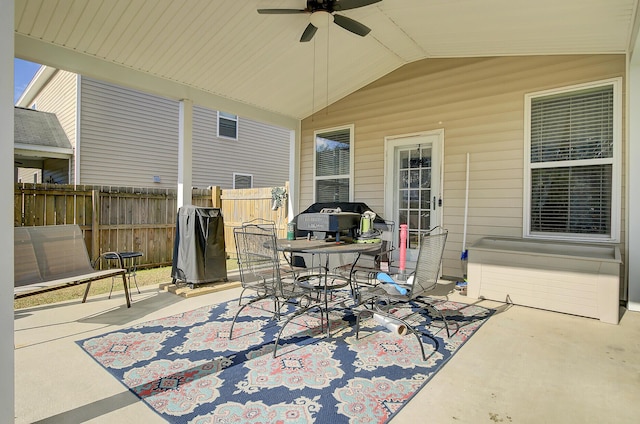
<point x="23" y="72"/>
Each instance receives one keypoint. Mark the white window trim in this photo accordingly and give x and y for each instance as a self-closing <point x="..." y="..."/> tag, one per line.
<point x="616" y="161"/>
<point x="241" y="175"/>
<point x="237" y="120"/>
<point x="316" y="178"/>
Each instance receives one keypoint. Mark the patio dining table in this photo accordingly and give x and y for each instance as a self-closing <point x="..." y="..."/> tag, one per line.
<point x="326" y="248"/>
<point x="323" y="281"/>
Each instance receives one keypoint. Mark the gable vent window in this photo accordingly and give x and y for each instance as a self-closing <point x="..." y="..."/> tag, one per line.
<point x="573" y="166"/>
<point x="242" y="181"/>
<point x="227" y="125"/>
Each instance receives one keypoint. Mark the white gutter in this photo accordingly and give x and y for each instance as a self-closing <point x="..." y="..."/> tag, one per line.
<point x="30" y="150"/>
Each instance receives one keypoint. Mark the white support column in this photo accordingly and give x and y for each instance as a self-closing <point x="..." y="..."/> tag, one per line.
<point x="633" y="175"/>
<point x="7" y="393"/>
<point x="185" y="153"/>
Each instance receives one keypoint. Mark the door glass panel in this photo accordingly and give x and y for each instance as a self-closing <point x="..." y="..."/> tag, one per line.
<point x="404" y="179"/>
<point x="415" y="194"/>
<point x="415" y="178"/>
<point x="413" y="240"/>
<point x="402" y="217"/>
<point x="404" y="199"/>
<point x="404" y="159"/>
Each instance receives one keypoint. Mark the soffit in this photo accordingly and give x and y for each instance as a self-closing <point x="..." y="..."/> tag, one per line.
<point x="225" y="48"/>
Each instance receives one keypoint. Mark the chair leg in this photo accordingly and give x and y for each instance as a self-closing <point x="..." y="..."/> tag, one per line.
<point x="235" y="317"/>
<point x="438" y="312"/>
<point x="240" y="299"/>
<point x="295" y="315"/>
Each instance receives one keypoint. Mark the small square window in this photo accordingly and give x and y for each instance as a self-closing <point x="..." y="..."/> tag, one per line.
<point x="227" y="125"/>
<point x="242" y="180"/>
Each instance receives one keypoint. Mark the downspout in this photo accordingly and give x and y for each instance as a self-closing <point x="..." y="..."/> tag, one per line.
<point x="294" y="171"/>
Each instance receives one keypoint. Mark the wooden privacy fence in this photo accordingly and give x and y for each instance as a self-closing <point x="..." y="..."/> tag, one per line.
<point x="243" y="205"/>
<point x="136" y="219"/>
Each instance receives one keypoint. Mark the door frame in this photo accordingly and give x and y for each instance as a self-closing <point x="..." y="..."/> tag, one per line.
<point x="390" y="143"/>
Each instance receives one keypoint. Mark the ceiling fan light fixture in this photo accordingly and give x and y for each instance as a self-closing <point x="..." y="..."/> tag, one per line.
<point x="321" y="19"/>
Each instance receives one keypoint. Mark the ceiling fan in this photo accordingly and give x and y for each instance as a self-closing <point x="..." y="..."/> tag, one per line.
<point x="323" y="12"/>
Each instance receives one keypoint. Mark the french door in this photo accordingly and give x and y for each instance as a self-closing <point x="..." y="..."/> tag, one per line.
<point x="413" y="185"/>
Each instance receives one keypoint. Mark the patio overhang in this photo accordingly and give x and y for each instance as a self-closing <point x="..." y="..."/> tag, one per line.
<point x="225" y="56"/>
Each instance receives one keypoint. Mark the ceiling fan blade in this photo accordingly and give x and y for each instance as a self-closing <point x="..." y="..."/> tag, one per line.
<point x="308" y="33"/>
<point x="280" y="11"/>
<point x="352" y="4"/>
<point x="351" y="25"/>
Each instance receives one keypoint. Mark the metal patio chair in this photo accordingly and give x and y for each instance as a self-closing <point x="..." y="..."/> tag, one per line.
<point x="370" y="264"/>
<point x="262" y="225"/>
<point x="259" y="267"/>
<point x="399" y="302"/>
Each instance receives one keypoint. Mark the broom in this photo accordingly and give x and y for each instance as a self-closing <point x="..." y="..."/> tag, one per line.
<point x="462" y="285"/>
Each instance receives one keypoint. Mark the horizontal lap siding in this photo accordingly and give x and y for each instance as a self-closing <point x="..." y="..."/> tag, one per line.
<point x="127" y="137"/>
<point x="479" y="102"/>
<point x="261" y="150"/>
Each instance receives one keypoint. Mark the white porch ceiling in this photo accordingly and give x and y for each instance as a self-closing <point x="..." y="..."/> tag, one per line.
<point x="226" y="49"/>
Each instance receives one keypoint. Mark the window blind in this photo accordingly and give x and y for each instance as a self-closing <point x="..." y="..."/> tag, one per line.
<point x="333" y="153"/>
<point x="227" y="125"/>
<point x="575" y="127"/>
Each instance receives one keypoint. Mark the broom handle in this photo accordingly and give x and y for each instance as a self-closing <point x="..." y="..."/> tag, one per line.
<point x="466" y="209"/>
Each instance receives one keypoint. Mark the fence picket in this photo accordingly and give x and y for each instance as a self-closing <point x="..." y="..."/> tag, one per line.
<point x="137" y="219"/>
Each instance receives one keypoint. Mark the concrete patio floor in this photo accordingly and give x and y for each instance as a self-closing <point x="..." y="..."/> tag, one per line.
<point x="523" y="366"/>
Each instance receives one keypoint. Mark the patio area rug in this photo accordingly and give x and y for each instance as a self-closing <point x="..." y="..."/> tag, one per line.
<point x="186" y="369"/>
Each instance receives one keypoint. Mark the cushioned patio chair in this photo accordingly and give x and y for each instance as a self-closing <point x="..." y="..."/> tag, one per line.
<point x="399" y="302"/>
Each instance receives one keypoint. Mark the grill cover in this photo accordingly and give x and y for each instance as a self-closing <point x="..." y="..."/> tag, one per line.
<point x="199" y="252"/>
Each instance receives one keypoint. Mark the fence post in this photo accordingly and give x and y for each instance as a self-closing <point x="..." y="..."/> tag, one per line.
<point x="95" y="223"/>
<point x="216" y="194"/>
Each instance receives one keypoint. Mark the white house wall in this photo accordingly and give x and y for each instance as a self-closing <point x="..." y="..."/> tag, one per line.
<point x="479" y="102"/>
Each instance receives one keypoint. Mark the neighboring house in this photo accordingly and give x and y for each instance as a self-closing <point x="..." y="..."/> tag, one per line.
<point x="544" y="135"/>
<point x="42" y="151"/>
<point x="124" y="137"/>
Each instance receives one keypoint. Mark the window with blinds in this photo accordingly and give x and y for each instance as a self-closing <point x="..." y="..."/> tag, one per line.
<point x="227" y="125"/>
<point x="332" y="167"/>
<point x="573" y="137"/>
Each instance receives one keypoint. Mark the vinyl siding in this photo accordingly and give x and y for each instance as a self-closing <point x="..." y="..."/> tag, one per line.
<point x="60" y="97"/>
<point x="261" y="150"/>
<point x="127" y="137"/>
<point x="130" y="136"/>
<point x="479" y="102"/>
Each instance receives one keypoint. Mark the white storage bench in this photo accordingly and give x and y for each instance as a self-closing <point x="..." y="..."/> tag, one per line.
<point x="579" y="279"/>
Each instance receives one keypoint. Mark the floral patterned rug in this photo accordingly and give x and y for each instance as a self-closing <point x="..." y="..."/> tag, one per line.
<point x="187" y="370"/>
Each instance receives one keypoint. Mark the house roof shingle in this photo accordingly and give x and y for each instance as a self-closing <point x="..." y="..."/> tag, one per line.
<point x="35" y="128"/>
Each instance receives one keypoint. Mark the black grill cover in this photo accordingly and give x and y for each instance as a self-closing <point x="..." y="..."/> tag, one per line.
<point x="199" y="252"/>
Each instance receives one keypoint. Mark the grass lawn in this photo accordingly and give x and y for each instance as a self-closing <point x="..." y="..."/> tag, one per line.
<point x="145" y="277"/>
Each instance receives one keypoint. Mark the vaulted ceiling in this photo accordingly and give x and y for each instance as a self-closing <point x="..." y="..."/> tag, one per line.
<point x="226" y="50"/>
